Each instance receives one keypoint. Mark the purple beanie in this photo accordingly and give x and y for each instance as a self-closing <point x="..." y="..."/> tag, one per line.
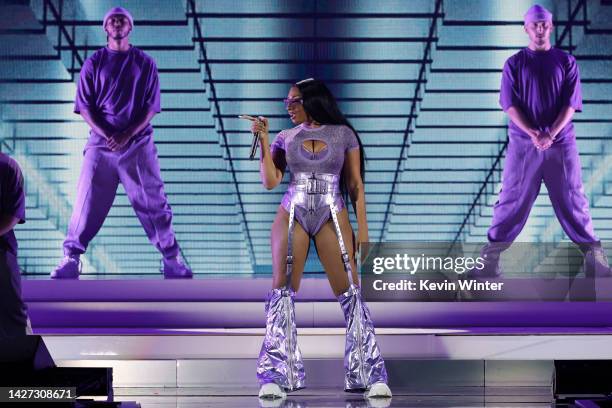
<point x="537" y="13"/>
<point x="117" y="10"/>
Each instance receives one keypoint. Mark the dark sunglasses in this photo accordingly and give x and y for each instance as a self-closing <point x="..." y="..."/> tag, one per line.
<point x="290" y="102"/>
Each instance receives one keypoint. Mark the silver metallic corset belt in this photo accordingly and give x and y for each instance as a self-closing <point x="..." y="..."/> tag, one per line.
<point x="312" y="191"/>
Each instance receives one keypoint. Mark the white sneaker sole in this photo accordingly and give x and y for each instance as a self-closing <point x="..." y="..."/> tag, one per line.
<point x="271" y="391"/>
<point x="379" y="390"/>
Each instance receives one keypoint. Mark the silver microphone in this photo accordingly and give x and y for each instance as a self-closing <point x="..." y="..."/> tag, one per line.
<point x="254" y="145"/>
<point x="255" y="142"/>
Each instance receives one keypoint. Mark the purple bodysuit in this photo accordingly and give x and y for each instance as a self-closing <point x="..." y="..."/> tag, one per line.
<point x="289" y="152"/>
<point x="313" y="197"/>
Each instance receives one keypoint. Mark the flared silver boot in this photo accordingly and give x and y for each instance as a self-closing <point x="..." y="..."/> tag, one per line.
<point x="280" y="359"/>
<point x="363" y="362"/>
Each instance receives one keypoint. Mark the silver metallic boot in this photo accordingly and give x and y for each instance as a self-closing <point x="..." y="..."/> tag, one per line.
<point x="280" y="359"/>
<point x="363" y="362"/>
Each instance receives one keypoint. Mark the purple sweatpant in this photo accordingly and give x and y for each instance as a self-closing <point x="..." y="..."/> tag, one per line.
<point x="137" y="168"/>
<point x="524" y="170"/>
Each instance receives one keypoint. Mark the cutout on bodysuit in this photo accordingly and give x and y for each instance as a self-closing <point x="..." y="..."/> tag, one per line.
<point x="314" y="149"/>
<point x="310" y="146"/>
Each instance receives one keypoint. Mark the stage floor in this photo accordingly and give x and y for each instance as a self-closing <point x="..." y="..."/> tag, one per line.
<point x="531" y="397"/>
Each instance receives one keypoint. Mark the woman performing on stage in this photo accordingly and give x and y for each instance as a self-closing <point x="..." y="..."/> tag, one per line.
<point x="325" y="158"/>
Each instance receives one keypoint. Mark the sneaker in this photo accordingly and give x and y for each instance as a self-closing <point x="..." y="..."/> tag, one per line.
<point x="595" y="262"/>
<point x="271" y="391"/>
<point x="491" y="270"/>
<point x="490" y="254"/>
<point x="175" y="268"/>
<point x="69" y="268"/>
<point x="378" y="390"/>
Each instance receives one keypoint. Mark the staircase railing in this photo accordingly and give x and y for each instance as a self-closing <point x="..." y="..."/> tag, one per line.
<point x="572" y="15"/>
<point x="55" y="13"/>
<point x="418" y="91"/>
<point x="192" y="13"/>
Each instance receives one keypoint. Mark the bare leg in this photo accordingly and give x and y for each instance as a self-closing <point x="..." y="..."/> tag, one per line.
<point x="328" y="249"/>
<point x="278" y="243"/>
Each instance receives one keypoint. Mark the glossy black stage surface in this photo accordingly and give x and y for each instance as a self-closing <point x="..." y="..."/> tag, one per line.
<point x="520" y="397"/>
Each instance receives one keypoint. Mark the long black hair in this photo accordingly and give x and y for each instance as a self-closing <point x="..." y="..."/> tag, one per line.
<point x="320" y="104"/>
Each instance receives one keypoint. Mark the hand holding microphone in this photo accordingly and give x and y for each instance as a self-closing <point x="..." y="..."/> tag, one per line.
<point x="259" y="128"/>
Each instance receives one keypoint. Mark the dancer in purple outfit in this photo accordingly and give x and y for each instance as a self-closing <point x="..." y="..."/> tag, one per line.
<point x="540" y="91"/>
<point x="325" y="157"/>
<point x="118" y="95"/>
<point x="13" y="312"/>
